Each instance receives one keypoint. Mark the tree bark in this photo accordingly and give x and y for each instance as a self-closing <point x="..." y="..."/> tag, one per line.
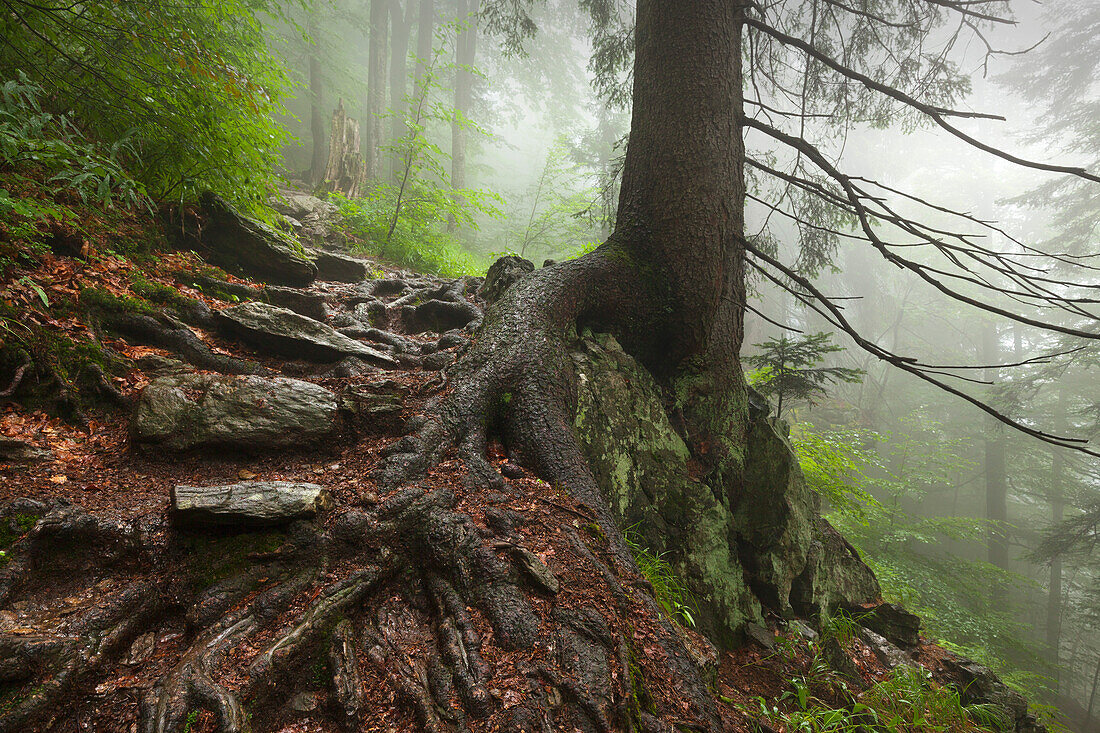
<point x="996" y="481"/>
<point x="1057" y="514"/>
<point x="316" y="116"/>
<point x="425" y="34"/>
<point x="402" y="19"/>
<point x="465" y="53"/>
<point x="376" y="88"/>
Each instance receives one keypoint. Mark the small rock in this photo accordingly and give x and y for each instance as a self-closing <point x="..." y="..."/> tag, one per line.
<point x="536" y="569"/>
<point x="803" y="629"/>
<point x="310" y="305"/>
<point x="250" y="503"/>
<point x="202" y="410"/>
<point x="893" y="622"/>
<point x="761" y="636"/>
<point x="303" y="702"/>
<point x="22" y="451"/>
<point x="511" y="470"/>
<point x="142" y="648"/>
<point x="887" y="653"/>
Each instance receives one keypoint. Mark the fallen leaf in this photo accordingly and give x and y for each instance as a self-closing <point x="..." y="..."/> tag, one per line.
<point x="59" y="479"/>
<point x="245" y="474"/>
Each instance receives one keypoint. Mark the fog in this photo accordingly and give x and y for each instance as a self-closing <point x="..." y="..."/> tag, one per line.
<point x="543" y="152"/>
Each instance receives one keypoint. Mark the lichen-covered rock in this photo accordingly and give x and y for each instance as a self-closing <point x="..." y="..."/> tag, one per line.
<point x="314" y="220"/>
<point x="189" y="411"/>
<point x="239" y="243"/>
<point x="302" y="302"/>
<point x="642" y="463"/>
<point x="978" y="685"/>
<point x="501" y="275"/>
<point x="337" y="267"/>
<point x="834" y="575"/>
<point x="284" y="332"/>
<point x="761" y="544"/>
<point x="774" y="512"/>
<point x="246" y="504"/>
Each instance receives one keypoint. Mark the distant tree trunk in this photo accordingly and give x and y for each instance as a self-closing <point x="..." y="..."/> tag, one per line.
<point x="345" y="171"/>
<point x="996" y="481"/>
<point x="399" y="76"/>
<point x="316" y="117"/>
<point x="425" y="33"/>
<point x="1092" y="695"/>
<point x="1057" y="513"/>
<point x="465" y="52"/>
<point x="376" y="88"/>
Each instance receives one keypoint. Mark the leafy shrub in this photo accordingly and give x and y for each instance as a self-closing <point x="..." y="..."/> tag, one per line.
<point x="33" y="137"/>
<point x="668" y="590"/>
<point x="419" y="238"/>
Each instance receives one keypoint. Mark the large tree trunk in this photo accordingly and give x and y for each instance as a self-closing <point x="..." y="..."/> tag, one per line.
<point x="376" y="88"/>
<point x="399" y="76"/>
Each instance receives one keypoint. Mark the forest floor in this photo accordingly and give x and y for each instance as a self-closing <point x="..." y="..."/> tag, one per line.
<point x="92" y="465"/>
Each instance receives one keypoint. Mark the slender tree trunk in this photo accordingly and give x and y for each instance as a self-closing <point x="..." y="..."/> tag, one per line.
<point x="1057" y="512"/>
<point x="399" y="77"/>
<point x="465" y="53"/>
<point x="317" y="126"/>
<point x="376" y="88"/>
<point x="1092" y="694"/>
<point x="425" y="34"/>
<point x="996" y="481"/>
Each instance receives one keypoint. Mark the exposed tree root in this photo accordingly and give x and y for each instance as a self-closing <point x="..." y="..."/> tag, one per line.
<point x="170" y="334"/>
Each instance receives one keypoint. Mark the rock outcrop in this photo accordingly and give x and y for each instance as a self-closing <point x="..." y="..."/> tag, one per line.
<point x="191" y="411"/>
<point x="252" y="248"/>
<point x="764" y="548"/>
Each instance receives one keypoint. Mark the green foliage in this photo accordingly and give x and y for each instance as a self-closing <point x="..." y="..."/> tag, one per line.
<point x="788" y="368"/>
<point x="419" y="240"/>
<point x="31" y="137"/>
<point x="668" y="590"/>
<point x="834" y="463"/>
<point x="907" y="701"/>
<point x="180" y="95"/>
<point x="878" y="511"/>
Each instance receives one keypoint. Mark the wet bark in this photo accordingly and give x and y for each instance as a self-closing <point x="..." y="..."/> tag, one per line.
<point x="316" y="116"/>
<point x="376" y="88"/>
<point x="401" y="21"/>
<point x="996" y="480"/>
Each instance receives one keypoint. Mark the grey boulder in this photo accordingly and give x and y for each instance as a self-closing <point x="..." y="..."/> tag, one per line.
<point x="286" y="333"/>
<point x="250" y="503"/>
<point x="237" y="242"/>
<point x="186" y="411"/>
<point x="336" y="267"/>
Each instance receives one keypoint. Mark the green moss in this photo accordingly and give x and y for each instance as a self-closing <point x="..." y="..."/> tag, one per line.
<point x="214" y="558"/>
<point x="158" y="293"/>
<point x="98" y="299"/>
